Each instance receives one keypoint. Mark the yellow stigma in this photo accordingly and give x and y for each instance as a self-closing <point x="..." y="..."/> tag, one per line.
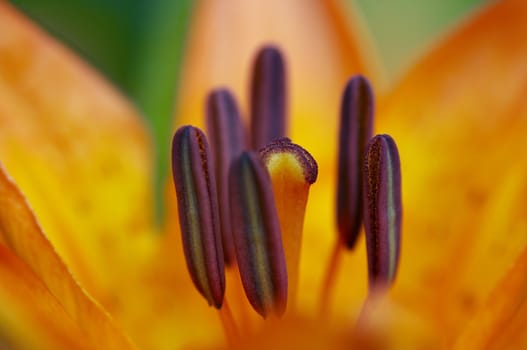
<point x="286" y="167"/>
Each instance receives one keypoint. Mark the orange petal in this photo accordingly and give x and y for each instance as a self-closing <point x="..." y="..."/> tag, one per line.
<point x="513" y="335"/>
<point x="390" y="327"/>
<point x="500" y="238"/>
<point x="28" y="308"/>
<point x="296" y="332"/>
<point x="22" y="234"/>
<point x="460" y="117"/>
<point x="500" y="307"/>
<point x="79" y="152"/>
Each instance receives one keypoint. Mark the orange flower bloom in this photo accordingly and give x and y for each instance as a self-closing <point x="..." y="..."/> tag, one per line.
<point x="80" y="155"/>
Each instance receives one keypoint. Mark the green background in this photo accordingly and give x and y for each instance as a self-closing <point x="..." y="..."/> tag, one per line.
<point x="138" y="44"/>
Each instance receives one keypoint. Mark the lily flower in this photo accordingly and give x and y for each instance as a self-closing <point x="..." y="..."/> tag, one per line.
<point x="83" y="266"/>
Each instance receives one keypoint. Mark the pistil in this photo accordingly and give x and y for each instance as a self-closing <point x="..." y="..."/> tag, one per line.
<point x="293" y="170"/>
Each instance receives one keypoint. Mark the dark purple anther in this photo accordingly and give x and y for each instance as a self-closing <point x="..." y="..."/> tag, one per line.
<point x="227" y="139"/>
<point x="382" y="209"/>
<point x="198" y="212"/>
<point x="356" y="129"/>
<point x="268" y="97"/>
<point x="257" y="236"/>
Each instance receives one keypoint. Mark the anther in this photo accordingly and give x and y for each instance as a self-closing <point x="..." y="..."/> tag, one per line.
<point x="293" y="170"/>
<point x="356" y="129"/>
<point x="268" y="97"/>
<point x="257" y="236"/>
<point x="227" y="139"/>
<point x="383" y="210"/>
<point x="198" y="212"/>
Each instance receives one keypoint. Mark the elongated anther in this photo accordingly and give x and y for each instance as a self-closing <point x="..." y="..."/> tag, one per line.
<point x="198" y="212"/>
<point x="257" y="236"/>
<point x="356" y="129"/>
<point x="293" y="170"/>
<point x="268" y="97"/>
<point x="227" y="139"/>
<point x="383" y="209"/>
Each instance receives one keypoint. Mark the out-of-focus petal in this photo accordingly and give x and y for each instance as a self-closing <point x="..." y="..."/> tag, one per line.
<point x="79" y="152"/>
<point x="389" y="327"/>
<point x="461" y="119"/>
<point x="513" y="334"/>
<point x="295" y="332"/>
<point x="30" y="316"/>
<point x="498" y="310"/>
<point x="20" y="232"/>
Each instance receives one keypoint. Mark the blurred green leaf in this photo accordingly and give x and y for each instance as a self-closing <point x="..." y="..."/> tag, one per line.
<point x="158" y="61"/>
<point x="104" y="32"/>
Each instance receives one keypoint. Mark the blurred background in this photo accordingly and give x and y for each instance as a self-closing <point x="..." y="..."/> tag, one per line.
<point x="138" y="44"/>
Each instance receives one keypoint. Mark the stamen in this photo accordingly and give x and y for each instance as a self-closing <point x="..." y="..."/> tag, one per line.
<point x="198" y="212"/>
<point x="257" y="237"/>
<point x="229" y="326"/>
<point x="329" y="280"/>
<point x="356" y="129"/>
<point x="292" y="171"/>
<point x="227" y="140"/>
<point x="268" y="97"/>
<point x="383" y="210"/>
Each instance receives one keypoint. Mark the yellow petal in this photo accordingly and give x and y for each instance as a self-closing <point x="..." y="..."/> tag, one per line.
<point x="30" y="316"/>
<point x="21" y="233"/>
<point x="460" y="121"/>
<point x="79" y="152"/>
<point x="166" y="310"/>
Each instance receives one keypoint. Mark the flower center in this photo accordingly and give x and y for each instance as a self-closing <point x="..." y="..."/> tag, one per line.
<point x="246" y="207"/>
